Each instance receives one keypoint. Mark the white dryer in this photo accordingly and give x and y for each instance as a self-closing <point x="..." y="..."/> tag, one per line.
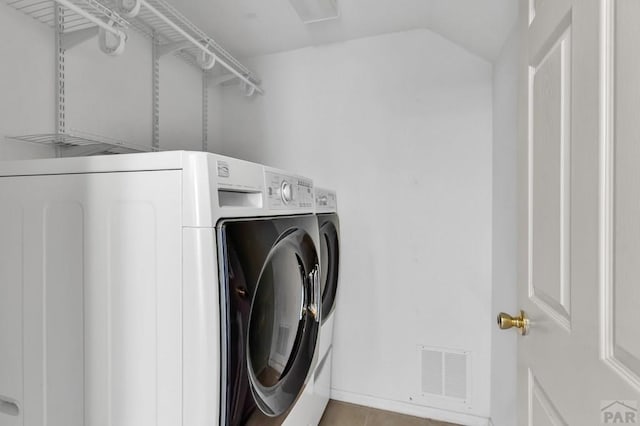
<point x="172" y="288"/>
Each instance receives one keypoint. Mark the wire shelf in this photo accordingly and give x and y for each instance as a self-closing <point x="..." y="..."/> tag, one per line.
<point x="149" y="24"/>
<point x="155" y="17"/>
<point x="172" y="36"/>
<point x="43" y="11"/>
<point x="74" y="144"/>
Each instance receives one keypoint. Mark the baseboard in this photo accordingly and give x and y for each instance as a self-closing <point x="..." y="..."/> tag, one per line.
<point x="409" y="409"/>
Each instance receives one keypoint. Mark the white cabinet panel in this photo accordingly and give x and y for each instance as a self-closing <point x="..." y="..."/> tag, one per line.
<point x="87" y="262"/>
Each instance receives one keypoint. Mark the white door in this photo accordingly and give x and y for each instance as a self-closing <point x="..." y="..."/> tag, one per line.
<point x="579" y="215"/>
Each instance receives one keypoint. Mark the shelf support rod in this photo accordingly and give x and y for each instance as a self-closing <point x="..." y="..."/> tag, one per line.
<point x="155" y="90"/>
<point x="58" y="16"/>
<point x="205" y="112"/>
<point x="196" y="43"/>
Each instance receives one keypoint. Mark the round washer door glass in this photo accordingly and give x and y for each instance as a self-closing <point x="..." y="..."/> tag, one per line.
<point x="283" y="324"/>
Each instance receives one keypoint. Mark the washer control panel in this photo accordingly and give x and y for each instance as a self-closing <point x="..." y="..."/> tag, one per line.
<point x="288" y="192"/>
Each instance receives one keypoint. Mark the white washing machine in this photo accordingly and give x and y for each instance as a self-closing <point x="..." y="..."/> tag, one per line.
<point x="329" y="228"/>
<point x="172" y="288"/>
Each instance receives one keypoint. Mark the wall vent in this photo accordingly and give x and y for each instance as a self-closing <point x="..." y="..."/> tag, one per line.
<point x="455" y="375"/>
<point x="432" y="370"/>
<point x="444" y="373"/>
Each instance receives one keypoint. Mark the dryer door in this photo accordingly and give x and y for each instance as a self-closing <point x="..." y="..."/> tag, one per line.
<point x="330" y="261"/>
<point x="283" y="324"/>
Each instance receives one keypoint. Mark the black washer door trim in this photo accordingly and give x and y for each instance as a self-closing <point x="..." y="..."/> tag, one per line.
<point x="283" y="327"/>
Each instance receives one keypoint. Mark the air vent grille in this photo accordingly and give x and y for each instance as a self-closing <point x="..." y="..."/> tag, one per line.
<point x="455" y="377"/>
<point x="444" y="373"/>
<point x="311" y="11"/>
<point x="432" y="372"/>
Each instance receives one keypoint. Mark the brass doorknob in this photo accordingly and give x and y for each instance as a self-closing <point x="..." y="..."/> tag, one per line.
<point x="521" y="322"/>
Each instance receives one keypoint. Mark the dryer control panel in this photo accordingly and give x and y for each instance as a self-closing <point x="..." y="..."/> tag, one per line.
<point x="326" y="199"/>
<point x="288" y="192"/>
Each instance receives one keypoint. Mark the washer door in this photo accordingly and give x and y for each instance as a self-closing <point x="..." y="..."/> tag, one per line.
<point x="284" y="323"/>
<point x="329" y="259"/>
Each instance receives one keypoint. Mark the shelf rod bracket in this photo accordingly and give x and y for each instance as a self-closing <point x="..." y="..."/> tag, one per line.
<point x="172" y="47"/>
<point x="72" y="39"/>
<point x="223" y="79"/>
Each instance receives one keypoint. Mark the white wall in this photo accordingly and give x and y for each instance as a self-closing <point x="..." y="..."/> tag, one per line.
<point x="105" y="95"/>
<point x="26" y="83"/>
<point x="504" y="292"/>
<point x="180" y="105"/>
<point x="401" y="126"/>
<point x="112" y="96"/>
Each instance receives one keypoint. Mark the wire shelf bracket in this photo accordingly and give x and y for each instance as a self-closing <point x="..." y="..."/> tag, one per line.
<point x="78" y="14"/>
<point x="77" y="21"/>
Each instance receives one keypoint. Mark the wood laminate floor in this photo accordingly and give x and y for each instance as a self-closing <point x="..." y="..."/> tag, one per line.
<point x="343" y="414"/>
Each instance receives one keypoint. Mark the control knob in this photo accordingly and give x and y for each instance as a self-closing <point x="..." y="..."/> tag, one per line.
<point x="286" y="192"/>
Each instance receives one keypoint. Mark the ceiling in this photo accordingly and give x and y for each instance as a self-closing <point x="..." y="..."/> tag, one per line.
<point x="249" y="28"/>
